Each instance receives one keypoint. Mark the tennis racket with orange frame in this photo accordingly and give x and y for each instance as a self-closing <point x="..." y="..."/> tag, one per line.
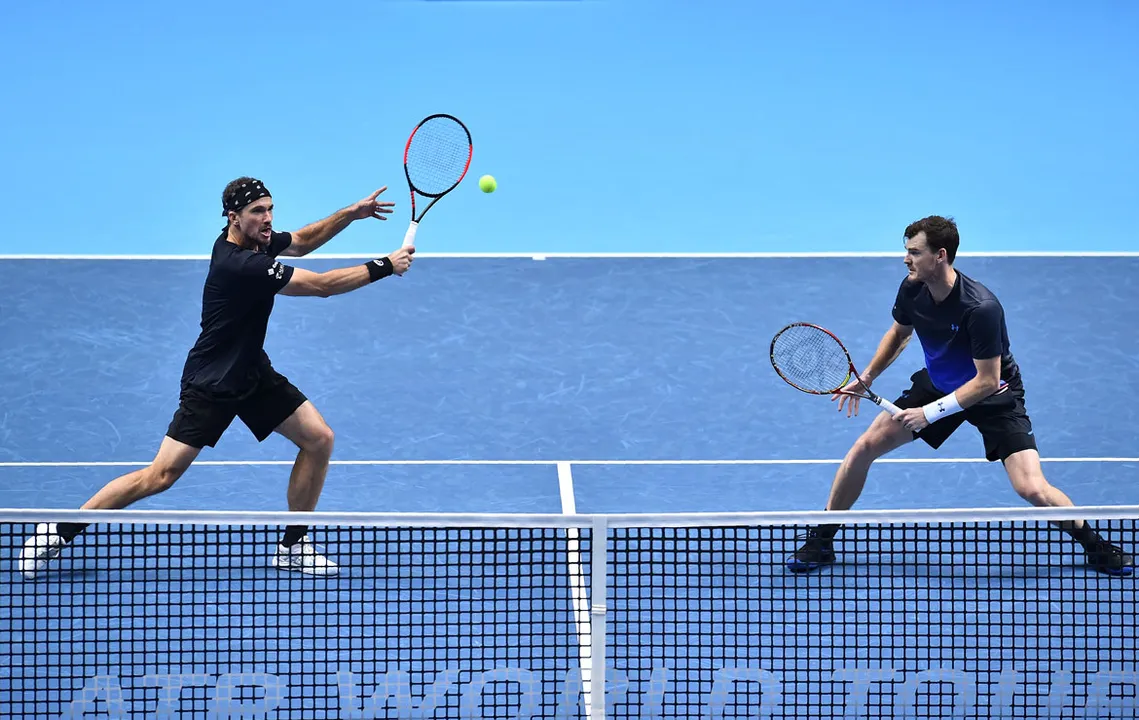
<point x="812" y="359"/>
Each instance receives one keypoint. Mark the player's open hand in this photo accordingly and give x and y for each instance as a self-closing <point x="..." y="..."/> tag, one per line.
<point x="401" y="259"/>
<point x="850" y="402"/>
<point x="372" y="207"/>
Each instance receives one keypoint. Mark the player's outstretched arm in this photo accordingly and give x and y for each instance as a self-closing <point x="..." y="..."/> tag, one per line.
<point x="316" y="234"/>
<point x="306" y="283"/>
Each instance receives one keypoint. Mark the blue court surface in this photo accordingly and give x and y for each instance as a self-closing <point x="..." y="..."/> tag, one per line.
<point x="582" y="359"/>
<point x="587" y="385"/>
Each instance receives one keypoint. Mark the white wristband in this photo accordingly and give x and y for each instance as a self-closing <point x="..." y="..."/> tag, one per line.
<point x="944" y="407"/>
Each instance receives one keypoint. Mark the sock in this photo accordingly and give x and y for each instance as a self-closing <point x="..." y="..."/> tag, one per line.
<point x="1084" y="535"/>
<point x="293" y="533"/>
<point x="827" y="532"/>
<point x="68" y="531"/>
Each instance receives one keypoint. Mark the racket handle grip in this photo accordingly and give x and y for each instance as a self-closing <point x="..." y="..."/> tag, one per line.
<point x="889" y="406"/>
<point x="409" y="237"/>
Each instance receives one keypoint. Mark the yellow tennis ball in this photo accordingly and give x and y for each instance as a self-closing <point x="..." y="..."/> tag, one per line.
<point x="487" y="183"/>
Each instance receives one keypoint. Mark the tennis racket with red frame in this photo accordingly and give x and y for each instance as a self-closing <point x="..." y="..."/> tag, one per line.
<point x="435" y="160"/>
<point x="812" y="359"/>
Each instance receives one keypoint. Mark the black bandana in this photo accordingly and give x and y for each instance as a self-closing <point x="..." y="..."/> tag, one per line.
<point x="243" y="195"/>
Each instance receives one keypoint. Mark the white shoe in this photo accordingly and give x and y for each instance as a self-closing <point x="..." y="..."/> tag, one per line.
<point x="303" y="557"/>
<point x="39" y="550"/>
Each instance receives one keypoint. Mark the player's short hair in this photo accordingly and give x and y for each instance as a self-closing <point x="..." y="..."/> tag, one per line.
<point x="940" y="233"/>
<point x="231" y="188"/>
<point x="240" y="192"/>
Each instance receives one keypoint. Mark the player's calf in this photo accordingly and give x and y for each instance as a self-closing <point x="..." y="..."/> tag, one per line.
<point x="128" y="489"/>
<point x="156" y="479"/>
<point x="1027" y="477"/>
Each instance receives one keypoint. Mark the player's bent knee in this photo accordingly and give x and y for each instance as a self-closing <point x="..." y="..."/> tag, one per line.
<point x="320" y="440"/>
<point x="1027" y="477"/>
<point x="1034" y="496"/>
<point x="1032" y="489"/>
<point x="881" y="437"/>
<point x="867" y="448"/>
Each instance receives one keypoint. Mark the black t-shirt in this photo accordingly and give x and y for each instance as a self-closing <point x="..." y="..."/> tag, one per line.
<point x="237" y="299"/>
<point x="969" y="324"/>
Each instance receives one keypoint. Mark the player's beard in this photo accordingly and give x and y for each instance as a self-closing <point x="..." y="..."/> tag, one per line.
<point x="257" y="239"/>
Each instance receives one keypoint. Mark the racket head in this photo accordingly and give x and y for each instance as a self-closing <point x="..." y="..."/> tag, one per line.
<point x="812" y="359"/>
<point x="437" y="155"/>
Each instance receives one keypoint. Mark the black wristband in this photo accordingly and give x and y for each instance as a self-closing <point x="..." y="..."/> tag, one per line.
<point x="379" y="269"/>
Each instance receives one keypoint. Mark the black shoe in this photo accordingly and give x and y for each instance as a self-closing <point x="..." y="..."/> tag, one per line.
<point x="1110" y="560"/>
<point x="813" y="554"/>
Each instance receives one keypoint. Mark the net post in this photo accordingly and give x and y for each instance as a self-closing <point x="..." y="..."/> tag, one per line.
<point x="599" y="547"/>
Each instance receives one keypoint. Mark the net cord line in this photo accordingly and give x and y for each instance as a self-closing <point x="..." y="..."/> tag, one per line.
<point x="558" y="520"/>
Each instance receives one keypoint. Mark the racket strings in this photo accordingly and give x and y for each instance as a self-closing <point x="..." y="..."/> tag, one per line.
<point x="811" y="359"/>
<point x="438" y="156"/>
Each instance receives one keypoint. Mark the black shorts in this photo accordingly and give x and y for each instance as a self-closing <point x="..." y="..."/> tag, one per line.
<point x="1002" y="419"/>
<point x="202" y="418"/>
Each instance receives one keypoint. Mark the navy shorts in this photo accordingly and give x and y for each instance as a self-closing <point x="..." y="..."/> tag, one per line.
<point x="202" y="418"/>
<point x="1002" y="418"/>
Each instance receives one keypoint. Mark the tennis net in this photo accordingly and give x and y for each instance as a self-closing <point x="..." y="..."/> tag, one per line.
<point x="941" y="613"/>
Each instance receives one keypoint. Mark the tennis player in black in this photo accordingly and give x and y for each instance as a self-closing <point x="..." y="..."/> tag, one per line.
<point x="970" y="375"/>
<point x="227" y="373"/>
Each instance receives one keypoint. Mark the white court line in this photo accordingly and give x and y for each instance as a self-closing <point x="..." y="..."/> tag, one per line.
<point x="581" y="620"/>
<point x="546" y="463"/>
<point x="565" y="489"/>
<point x="539" y="254"/>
